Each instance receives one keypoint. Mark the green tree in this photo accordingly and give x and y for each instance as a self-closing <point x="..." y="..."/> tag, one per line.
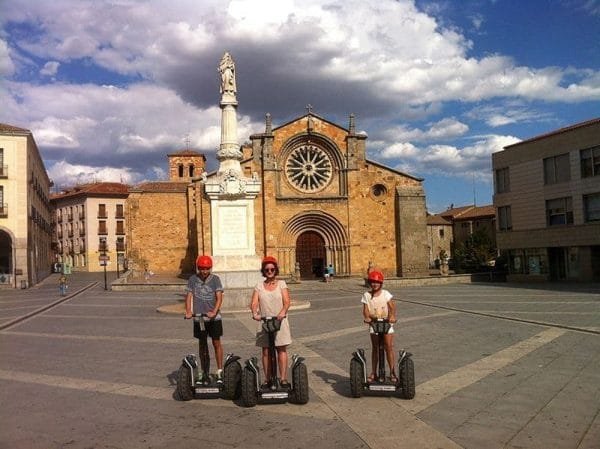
<point x="473" y="255"/>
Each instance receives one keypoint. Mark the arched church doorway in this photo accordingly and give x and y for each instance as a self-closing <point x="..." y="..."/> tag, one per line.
<point x="310" y="254"/>
<point x="6" y="251"/>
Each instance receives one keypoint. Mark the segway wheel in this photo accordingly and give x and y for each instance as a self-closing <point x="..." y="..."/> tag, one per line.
<point x="232" y="378"/>
<point x="357" y="376"/>
<point x="407" y="378"/>
<point x="249" y="393"/>
<point x="299" y="395"/>
<point x="185" y="390"/>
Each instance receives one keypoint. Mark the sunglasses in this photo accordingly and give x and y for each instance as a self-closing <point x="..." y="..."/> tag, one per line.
<point x="270" y="270"/>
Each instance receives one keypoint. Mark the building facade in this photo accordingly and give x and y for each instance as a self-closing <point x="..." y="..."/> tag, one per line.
<point x="323" y="202"/>
<point x="161" y="230"/>
<point x="25" y="210"/>
<point x="547" y="199"/>
<point x="90" y="227"/>
<point x="439" y="239"/>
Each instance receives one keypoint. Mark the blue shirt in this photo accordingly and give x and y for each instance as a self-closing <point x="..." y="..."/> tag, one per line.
<point x="203" y="292"/>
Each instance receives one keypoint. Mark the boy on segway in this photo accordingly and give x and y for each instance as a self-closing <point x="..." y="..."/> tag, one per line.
<point x="378" y="303"/>
<point x="204" y="297"/>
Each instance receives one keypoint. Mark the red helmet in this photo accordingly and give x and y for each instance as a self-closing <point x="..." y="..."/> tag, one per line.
<point x="269" y="259"/>
<point x="204" y="262"/>
<point x="375" y="276"/>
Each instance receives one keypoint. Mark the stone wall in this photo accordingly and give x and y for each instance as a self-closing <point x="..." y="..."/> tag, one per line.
<point x="158" y="232"/>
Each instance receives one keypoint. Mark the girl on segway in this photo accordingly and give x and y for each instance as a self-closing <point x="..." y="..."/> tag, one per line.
<point x="379" y="303"/>
<point x="271" y="298"/>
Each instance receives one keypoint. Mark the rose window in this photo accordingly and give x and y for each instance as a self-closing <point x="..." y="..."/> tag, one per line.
<point x="308" y="168"/>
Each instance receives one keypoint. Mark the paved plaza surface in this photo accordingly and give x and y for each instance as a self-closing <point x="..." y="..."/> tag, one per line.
<point x="496" y="365"/>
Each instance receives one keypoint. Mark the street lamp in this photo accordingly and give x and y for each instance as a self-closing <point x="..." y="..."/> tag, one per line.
<point x="103" y="241"/>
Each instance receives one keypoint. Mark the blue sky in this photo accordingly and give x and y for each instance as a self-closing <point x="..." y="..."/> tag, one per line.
<point x="109" y="88"/>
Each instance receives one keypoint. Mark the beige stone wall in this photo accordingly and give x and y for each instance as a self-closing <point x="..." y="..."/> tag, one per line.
<point x="27" y="216"/>
<point x="158" y="232"/>
<point x="437" y="243"/>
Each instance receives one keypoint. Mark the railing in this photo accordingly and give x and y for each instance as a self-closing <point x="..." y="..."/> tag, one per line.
<point x="4" y="210"/>
<point x="120" y="246"/>
<point x="120" y="231"/>
<point x="102" y="231"/>
<point x="102" y="215"/>
<point x="103" y="247"/>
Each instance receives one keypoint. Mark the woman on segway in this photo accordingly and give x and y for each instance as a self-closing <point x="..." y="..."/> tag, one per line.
<point x="271" y="298"/>
<point x="379" y="303"/>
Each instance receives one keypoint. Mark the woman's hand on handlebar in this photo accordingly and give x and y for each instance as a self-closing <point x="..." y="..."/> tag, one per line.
<point x="188" y="315"/>
<point x="281" y="316"/>
<point x="392" y="320"/>
<point x="256" y="316"/>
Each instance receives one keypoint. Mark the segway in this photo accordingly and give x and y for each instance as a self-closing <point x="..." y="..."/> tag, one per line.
<point x="359" y="382"/>
<point x="188" y="382"/>
<point x="252" y="390"/>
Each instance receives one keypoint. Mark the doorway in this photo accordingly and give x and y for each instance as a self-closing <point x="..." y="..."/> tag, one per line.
<point x="310" y="254"/>
<point x="557" y="261"/>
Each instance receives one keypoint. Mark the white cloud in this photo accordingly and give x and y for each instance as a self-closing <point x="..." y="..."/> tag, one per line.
<point x="65" y="174"/>
<point x="444" y="129"/>
<point x="50" y="68"/>
<point x="7" y="67"/>
<point x="467" y="161"/>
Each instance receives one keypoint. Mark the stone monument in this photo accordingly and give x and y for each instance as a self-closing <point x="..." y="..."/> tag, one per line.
<point x="232" y="203"/>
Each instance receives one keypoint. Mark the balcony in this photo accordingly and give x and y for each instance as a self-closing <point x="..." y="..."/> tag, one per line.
<point x="70" y="217"/>
<point x="82" y="215"/>
<point x="102" y="215"/>
<point x="70" y="233"/>
<point x="120" y="246"/>
<point x="102" y="248"/>
<point x="120" y="231"/>
<point x="3" y="171"/>
<point x="3" y="210"/>
<point x="81" y="232"/>
<point x="102" y="231"/>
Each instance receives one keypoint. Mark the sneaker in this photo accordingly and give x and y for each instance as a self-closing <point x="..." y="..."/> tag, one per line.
<point x="219" y="376"/>
<point x="200" y="377"/>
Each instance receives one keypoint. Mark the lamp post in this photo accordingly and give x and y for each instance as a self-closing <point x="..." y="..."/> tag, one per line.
<point x="104" y="261"/>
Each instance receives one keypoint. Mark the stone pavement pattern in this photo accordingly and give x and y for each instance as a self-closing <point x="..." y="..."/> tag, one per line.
<point x="497" y="365"/>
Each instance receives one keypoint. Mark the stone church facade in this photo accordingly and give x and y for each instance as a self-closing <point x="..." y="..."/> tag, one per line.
<point x="322" y="202"/>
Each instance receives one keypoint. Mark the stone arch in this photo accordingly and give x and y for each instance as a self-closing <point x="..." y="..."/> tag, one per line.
<point x="334" y="235"/>
<point x="7" y="257"/>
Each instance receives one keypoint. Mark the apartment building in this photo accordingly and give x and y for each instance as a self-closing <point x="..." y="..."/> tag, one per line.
<point x="25" y="211"/>
<point x="89" y="233"/>
<point x="547" y="200"/>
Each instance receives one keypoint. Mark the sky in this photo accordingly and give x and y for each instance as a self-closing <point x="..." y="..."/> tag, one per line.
<point x="109" y="88"/>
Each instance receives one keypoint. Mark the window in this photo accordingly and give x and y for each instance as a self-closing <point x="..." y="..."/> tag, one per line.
<point x="559" y="211"/>
<point x="102" y="227"/>
<point x="119" y="213"/>
<point x="102" y="244"/>
<point x="590" y="162"/>
<point x="120" y="227"/>
<point x="502" y="180"/>
<point x="102" y="211"/>
<point x="191" y="170"/>
<point x="3" y="207"/>
<point x="504" y="218"/>
<point x="441" y="233"/>
<point x="3" y="168"/>
<point x="557" y="169"/>
<point x="180" y="170"/>
<point x="591" y="207"/>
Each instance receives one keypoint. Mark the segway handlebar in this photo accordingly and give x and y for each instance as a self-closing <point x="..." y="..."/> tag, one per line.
<point x="196" y="315"/>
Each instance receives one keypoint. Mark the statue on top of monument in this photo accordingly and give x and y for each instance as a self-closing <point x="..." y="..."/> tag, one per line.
<point x="227" y="70"/>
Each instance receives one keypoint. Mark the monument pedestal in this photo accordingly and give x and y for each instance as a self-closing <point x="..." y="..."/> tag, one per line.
<point x="233" y="242"/>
